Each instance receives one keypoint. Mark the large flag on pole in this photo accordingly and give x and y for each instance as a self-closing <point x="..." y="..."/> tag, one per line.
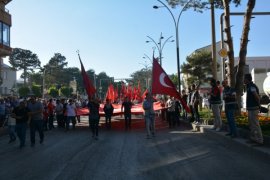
<point x="161" y="84"/>
<point x="88" y="85"/>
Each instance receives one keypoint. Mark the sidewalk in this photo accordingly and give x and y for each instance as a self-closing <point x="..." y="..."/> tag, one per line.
<point x="240" y="140"/>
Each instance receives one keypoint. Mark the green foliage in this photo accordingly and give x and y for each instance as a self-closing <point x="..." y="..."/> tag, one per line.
<point x="65" y="91"/>
<point x="24" y="91"/>
<point x="198" y="67"/>
<point x="143" y="76"/>
<point x="25" y="60"/>
<point x="53" y="91"/>
<point x="174" y="79"/>
<point x="200" y="5"/>
<point x="103" y="81"/>
<point x="36" y="90"/>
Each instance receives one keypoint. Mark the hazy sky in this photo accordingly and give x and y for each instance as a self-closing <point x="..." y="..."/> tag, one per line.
<point x="111" y="35"/>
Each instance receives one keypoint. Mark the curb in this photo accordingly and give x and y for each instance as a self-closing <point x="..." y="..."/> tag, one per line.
<point x="240" y="142"/>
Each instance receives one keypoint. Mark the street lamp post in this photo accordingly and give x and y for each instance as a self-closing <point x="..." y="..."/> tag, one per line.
<point x="176" y="23"/>
<point x="43" y="84"/>
<point x="159" y="45"/>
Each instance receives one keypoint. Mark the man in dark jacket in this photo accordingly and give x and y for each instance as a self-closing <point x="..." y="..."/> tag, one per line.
<point x="253" y="106"/>
<point x="108" y="110"/>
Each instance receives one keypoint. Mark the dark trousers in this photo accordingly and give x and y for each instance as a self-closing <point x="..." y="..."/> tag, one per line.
<point x="36" y="125"/>
<point x="127" y="121"/>
<point x="72" y="120"/>
<point x="192" y="113"/>
<point x="51" y="118"/>
<point x="60" y="120"/>
<point x="94" y="122"/>
<point x="21" y="132"/>
<point x="108" y="121"/>
<point x="196" y="113"/>
<point x="171" y="118"/>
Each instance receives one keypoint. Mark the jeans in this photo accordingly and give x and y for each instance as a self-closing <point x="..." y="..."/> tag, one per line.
<point x="231" y="121"/>
<point x="150" y="124"/>
<point x="254" y="125"/>
<point x="216" y="113"/>
<point x="21" y="132"/>
<point x="36" y="125"/>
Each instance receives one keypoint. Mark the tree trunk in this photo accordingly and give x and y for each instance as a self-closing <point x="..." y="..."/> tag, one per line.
<point x="229" y="42"/>
<point x="243" y="51"/>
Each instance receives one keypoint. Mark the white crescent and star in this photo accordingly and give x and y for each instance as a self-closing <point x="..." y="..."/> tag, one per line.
<point x="162" y="80"/>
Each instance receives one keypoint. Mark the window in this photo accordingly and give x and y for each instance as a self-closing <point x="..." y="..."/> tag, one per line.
<point x="4" y="75"/>
<point x="1" y="34"/>
<point x="6" y="35"/>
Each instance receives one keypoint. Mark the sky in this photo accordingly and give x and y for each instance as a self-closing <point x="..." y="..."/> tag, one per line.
<point x="111" y="35"/>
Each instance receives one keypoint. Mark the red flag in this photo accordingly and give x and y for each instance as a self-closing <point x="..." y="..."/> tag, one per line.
<point x="161" y="84"/>
<point x="144" y="93"/>
<point x="88" y="85"/>
<point x="116" y="93"/>
<point x="110" y="93"/>
<point x="123" y="91"/>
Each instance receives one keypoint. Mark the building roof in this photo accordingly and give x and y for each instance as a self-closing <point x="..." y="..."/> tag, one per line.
<point x="5" y="66"/>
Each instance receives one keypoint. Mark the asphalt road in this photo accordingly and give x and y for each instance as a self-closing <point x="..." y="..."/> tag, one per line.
<point x="173" y="154"/>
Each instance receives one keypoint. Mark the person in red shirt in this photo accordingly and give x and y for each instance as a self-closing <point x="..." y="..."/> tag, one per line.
<point x="51" y="108"/>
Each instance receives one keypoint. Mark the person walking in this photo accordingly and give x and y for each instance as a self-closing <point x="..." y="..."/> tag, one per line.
<point x="184" y="97"/>
<point x="59" y="108"/>
<point x="51" y="109"/>
<point x="36" y="120"/>
<point x="149" y="115"/>
<point x="71" y="114"/>
<point x="20" y="113"/>
<point x="189" y="103"/>
<point x="94" y="117"/>
<point x="195" y="100"/>
<point x="127" y="105"/>
<point x="215" y="101"/>
<point x="170" y="105"/>
<point x="108" y="110"/>
<point x="253" y="106"/>
<point x="229" y="97"/>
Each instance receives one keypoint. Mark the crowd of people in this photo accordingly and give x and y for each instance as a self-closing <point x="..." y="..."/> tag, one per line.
<point x="39" y="115"/>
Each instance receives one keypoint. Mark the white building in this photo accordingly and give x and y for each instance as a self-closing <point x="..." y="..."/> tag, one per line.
<point x="9" y="80"/>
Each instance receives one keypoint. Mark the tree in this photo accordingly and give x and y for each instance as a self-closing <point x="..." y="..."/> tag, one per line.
<point x="24" y="91"/>
<point x="143" y="76"/>
<point x="103" y="82"/>
<point x="21" y="59"/>
<point x="53" y="91"/>
<point x="55" y="70"/>
<point x="36" y="90"/>
<point x="238" y="82"/>
<point x="65" y="91"/>
<point x="239" y="85"/>
<point x="198" y="67"/>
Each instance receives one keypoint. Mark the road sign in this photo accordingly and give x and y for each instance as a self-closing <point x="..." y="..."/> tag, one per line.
<point x="223" y="52"/>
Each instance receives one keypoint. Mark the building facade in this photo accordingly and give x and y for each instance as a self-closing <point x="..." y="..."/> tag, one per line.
<point x="6" y="73"/>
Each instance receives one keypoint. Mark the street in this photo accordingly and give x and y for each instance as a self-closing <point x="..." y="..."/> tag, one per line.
<point x="173" y="154"/>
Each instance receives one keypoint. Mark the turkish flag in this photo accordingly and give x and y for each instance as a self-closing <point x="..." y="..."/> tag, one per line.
<point x="88" y="85"/>
<point x="161" y="84"/>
